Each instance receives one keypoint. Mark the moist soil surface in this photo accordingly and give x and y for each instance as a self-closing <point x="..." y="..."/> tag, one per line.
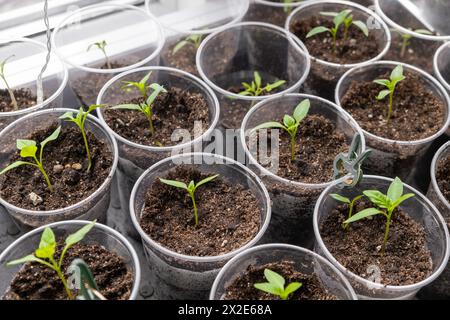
<point x="229" y="215"/>
<point x="356" y="48"/>
<point x="24" y="97"/>
<point x="37" y="282"/>
<point x="176" y="109"/>
<point x="417" y="112"/>
<point x="183" y="59"/>
<point x="65" y="162"/>
<point x="317" y="145"/>
<point x="407" y="259"/>
<point x="443" y="177"/>
<point x="243" y="287"/>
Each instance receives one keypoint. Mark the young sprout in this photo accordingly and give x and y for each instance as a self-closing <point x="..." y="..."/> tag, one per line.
<point x="191" y="188"/>
<point x="385" y="203"/>
<point x="80" y="120"/>
<point x="275" y="285"/>
<point x="45" y="254"/>
<point x="8" y="88"/>
<point x="194" y="39"/>
<point x="255" y="89"/>
<point x="28" y="149"/>
<point x="146" y="106"/>
<point x="406" y="42"/>
<point x="290" y="123"/>
<point x="102" y="47"/>
<point x="344" y="17"/>
<point x="350" y="203"/>
<point x="396" y="77"/>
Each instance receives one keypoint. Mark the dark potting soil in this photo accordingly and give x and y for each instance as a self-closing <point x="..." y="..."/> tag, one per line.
<point x="176" y="109"/>
<point x="65" y="162"/>
<point x="37" y="282"/>
<point x="229" y="215"/>
<point x="183" y="59"/>
<point x="417" y="113"/>
<point x="317" y="145"/>
<point x="356" y="48"/>
<point x="269" y="14"/>
<point x="443" y="176"/>
<point x="24" y="97"/>
<point x="407" y="259"/>
<point x="243" y="287"/>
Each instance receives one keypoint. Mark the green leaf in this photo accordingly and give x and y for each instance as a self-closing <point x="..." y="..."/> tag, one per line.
<point x="15" y="165"/>
<point x="395" y="190"/>
<point x="246" y="85"/>
<point x="363" y="214"/>
<point x="79" y="235"/>
<point x="29" y="258"/>
<point x="157" y="89"/>
<point x="67" y="116"/>
<point x="289" y="121"/>
<point x="209" y="179"/>
<point x="28" y="152"/>
<point x="21" y="143"/>
<point x="317" y="30"/>
<point x="128" y="107"/>
<point x="257" y="79"/>
<point x="275" y="85"/>
<point x="402" y="199"/>
<point x="397" y="73"/>
<point x="173" y="183"/>
<point x="301" y="111"/>
<point x="144" y="80"/>
<point x="362" y="26"/>
<point x="383" y="82"/>
<point x="269" y="125"/>
<point x="245" y="93"/>
<point x="340" y="198"/>
<point x="383" y="94"/>
<point x="268" y="288"/>
<point x="275" y="279"/>
<point x="180" y="45"/>
<point x="47" y="246"/>
<point x="52" y="137"/>
<point x="95" y="107"/>
<point x="377" y="198"/>
<point x="340" y="17"/>
<point x="292" y="287"/>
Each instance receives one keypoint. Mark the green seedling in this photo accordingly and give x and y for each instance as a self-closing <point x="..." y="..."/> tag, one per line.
<point x="102" y="47"/>
<point x="350" y="202"/>
<point x="275" y="285"/>
<point x="28" y="149"/>
<point x="385" y="205"/>
<point x="88" y="289"/>
<point x="8" y="88"/>
<point x="406" y="38"/>
<point x="290" y="123"/>
<point x="395" y="78"/>
<point x="147" y="106"/>
<point x="45" y="254"/>
<point x="344" y="17"/>
<point x="288" y="7"/>
<point x="190" y="188"/>
<point x="193" y="39"/>
<point x="80" y="121"/>
<point x="256" y="89"/>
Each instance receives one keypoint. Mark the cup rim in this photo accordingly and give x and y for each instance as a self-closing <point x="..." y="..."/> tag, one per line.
<point x="105" y="228"/>
<point x="191" y="77"/>
<point x="434" y="81"/>
<point x="197" y="259"/>
<point x="109" y="4"/>
<point x="293" y="40"/>
<point x="435" y="185"/>
<point x="369" y="12"/>
<point x="359" y="279"/>
<point x="344" y="116"/>
<point x="437" y="71"/>
<point x="274" y="246"/>
<point x="402" y="29"/>
<point x="57" y="93"/>
<point x="101" y="188"/>
<point x="279" y="4"/>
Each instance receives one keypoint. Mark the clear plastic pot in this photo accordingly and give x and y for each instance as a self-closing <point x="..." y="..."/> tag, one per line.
<point x="419" y="208"/>
<point x="136" y="39"/>
<point x="229" y="57"/>
<point x="324" y="75"/>
<point x="390" y="157"/>
<point x="100" y="235"/>
<point x="135" y="158"/>
<point x="27" y="58"/>
<point x="90" y="208"/>
<point x="293" y="201"/>
<point x="306" y="262"/>
<point x="442" y="65"/>
<point x="270" y="11"/>
<point x="185" y="277"/>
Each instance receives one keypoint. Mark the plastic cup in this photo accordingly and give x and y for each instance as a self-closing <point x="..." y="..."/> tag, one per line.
<point x="293" y="201"/>
<point x="442" y="65"/>
<point x="27" y="58"/>
<point x="90" y="208"/>
<point x="250" y="46"/>
<point x="306" y="262"/>
<point x="394" y="158"/>
<point x="270" y="11"/>
<point x="99" y="235"/>
<point x="324" y="75"/>
<point x="136" y="40"/>
<point x="419" y="208"/>
<point x="181" y="276"/>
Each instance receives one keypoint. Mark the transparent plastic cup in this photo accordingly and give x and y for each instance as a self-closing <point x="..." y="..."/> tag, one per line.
<point x="394" y="158"/>
<point x="229" y="57"/>
<point x="306" y="262"/>
<point x="100" y="235"/>
<point x="324" y="75"/>
<point x="90" y="208"/>
<point x="135" y="158"/>
<point x="181" y="276"/>
<point x="419" y="208"/>
<point x="442" y="65"/>
<point x="136" y="39"/>
<point x="26" y="59"/>
<point x="270" y="11"/>
<point x="293" y="201"/>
